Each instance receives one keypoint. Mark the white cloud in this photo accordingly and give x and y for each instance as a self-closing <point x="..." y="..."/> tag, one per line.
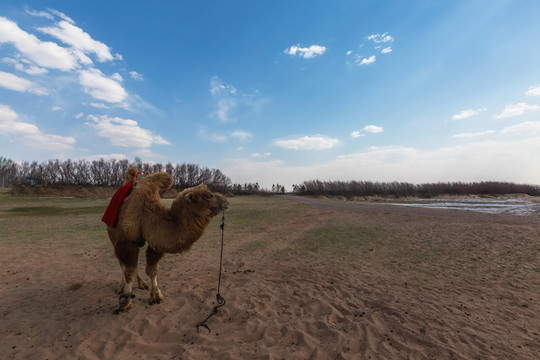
<point x="386" y="50"/>
<point x="25" y="66"/>
<point x="515" y="110"/>
<point x="374" y="129"/>
<point x="223" y="137"/>
<point x="105" y="157"/>
<point x="533" y="91"/>
<point x="226" y="99"/>
<point x="529" y="127"/>
<point x="242" y="135"/>
<point x="10" y="125"/>
<point x="79" y="115"/>
<point x="78" y="39"/>
<point x="117" y="77"/>
<point x="348" y="52"/>
<point x="56" y="108"/>
<point x="231" y="102"/>
<point x="316" y="142"/>
<point x="44" y="14"/>
<point x="306" y="52"/>
<point x="365" y="61"/>
<point x="31" y="135"/>
<point x="43" y="53"/>
<point x="100" y="87"/>
<point x="15" y="83"/>
<point x="124" y="132"/>
<point x="380" y="38"/>
<point x="474" y="134"/>
<point x="98" y="105"/>
<point x="50" y="142"/>
<point x="136" y="76"/>
<point x="212" y="137"/>
<point x="464" y="114"/>
<point x="478" y="161"/>
<point x="259" y="155"/>
<point x="61" y="15"/>
<point x="218" y="88"/>
<point x="224" y="108"/>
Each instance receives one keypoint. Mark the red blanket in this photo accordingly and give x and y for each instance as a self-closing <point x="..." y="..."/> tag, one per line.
<point x="111" y="214"/>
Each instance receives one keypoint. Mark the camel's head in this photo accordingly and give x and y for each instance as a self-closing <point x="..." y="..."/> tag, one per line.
<point x="202" y="201"/>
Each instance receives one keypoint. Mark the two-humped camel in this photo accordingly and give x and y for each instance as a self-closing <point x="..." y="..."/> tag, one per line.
<point x="144" y="218"/>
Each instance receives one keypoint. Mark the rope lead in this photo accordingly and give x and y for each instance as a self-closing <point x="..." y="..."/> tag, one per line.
<point x="220" y="300"/>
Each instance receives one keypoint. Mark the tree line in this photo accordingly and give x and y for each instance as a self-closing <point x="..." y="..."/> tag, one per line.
<point x="403" y="189"/>
<point x="110" y="173"/>
<point x="102" y="172"/>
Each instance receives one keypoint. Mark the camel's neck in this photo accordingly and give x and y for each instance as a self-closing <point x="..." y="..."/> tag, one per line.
<point x="190" y="229"/>
<point x="177" y="232"/>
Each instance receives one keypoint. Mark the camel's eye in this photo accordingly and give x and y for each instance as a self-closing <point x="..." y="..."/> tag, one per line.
<point x="208" y="196"/>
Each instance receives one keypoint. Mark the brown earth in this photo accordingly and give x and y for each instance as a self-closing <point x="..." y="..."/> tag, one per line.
<point x="303" y="279"/>
<point x="75" y="191"/>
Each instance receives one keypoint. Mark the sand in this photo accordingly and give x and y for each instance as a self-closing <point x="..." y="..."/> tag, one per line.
<point x="414" y="284"/>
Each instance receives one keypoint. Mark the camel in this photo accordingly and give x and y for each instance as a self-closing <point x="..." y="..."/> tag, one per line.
<point x="143" y="218"/>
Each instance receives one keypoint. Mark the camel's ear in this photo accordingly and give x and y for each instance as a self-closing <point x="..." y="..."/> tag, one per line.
<point x="189" y="196"/>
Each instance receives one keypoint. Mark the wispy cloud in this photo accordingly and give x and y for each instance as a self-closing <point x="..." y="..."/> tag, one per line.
<point x="263" y="155"/>
<point x="97" y="157"/>
<point x="516" y="110"/>
<point x="124" y="132"/>
<point x="474" y="134"/>
<point x="315" y="142"/>
<point x="225" y="97"/>
<point x="25" y="66"/>
<point x="221" y="137"/>
<point x="15" y="83"/>
<point x="464" y="114"/>
<point x="529" y="127"/>
<point x="380" y="38"/>
<point x="136" y="76"/>
<point x="242" y="135"/>
<point x="373" y="129"/>
<point x="44" y="14"/>
<point x="365" y="61"/>
<point x="30" y="134"/>
<point x="533" y="91"/>
<point x="306" y="52"/>
<point x="231" y="102"/>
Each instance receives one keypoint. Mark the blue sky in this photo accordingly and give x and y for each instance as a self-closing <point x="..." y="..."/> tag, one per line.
<point x="278" y="91"/>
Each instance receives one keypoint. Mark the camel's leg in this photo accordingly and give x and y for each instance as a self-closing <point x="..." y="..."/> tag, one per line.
<point x="140" y="282"/>
<point x="127" y="254"/>
<point x="152" y="259"/>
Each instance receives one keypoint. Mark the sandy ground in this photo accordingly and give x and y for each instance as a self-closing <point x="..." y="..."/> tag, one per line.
<point x="414" y="284"/>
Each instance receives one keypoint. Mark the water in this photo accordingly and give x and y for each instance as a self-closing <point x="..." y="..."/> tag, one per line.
<point x="515" y="206"/>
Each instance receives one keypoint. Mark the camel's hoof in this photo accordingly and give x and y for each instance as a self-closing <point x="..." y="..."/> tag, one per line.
<point x="155" y="297"/>
<point x="124" y="303"/>
<point x="142" y="285"/>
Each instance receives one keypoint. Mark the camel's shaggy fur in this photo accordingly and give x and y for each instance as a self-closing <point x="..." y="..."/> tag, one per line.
<point x="145" y="219"/>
